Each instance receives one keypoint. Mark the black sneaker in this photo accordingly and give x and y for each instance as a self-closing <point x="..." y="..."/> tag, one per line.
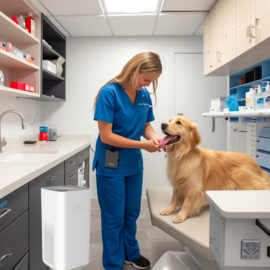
<point x="139" y="263"/>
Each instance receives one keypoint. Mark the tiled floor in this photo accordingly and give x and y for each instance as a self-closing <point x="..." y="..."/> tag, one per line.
<point x="153" y="242"/>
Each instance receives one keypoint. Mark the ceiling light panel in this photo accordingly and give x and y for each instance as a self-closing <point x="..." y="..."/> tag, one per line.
<point x="179" y="24"/>
<point x="132" y="25"/>
<point x="83" y="26"/>
<point x="72" y="7"/>
<point x="190" y="5"/>
<point x="130" y="6"/>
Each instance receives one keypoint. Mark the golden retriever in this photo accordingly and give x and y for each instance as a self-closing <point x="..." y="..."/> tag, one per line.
<point x="193" y="170"/>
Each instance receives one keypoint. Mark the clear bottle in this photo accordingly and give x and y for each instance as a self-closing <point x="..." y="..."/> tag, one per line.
<point x="259" y="99"/>
<point x="21" y="21"/>
<point x="250" y="99"/>
<point x="266" y="96"/>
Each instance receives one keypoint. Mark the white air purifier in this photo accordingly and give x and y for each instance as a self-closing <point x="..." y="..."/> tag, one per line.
<point x="65" y="214"/>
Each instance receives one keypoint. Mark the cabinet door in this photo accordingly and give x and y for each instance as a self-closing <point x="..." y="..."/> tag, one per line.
<point x="262" y="20"/>
<point x="245" y="25"/>
<point x="71" y="179"/>
<point x="56" y="177"/>
<point x="206" y="45"/>
<point x="229" y="49"/>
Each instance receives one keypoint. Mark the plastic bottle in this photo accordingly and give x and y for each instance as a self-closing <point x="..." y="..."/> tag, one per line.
<point x="30" y="24"/>
<point x="266" y="96"/>
<point x="259" y="100"/>
<point x="21" y="22"/>
<point x="250" y="99"/>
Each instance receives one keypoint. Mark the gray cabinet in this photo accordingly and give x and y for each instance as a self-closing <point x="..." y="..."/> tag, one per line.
<point x="55" y="176"/>
<point x="70" y="164"/>
<point x="13" y="205"/>
<point x="14" y="242"/>
<point x="23" y="263"/>
<point x="71" y="179"/>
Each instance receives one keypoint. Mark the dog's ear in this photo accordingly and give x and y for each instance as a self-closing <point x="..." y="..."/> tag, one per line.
<point x="195" y="137"/>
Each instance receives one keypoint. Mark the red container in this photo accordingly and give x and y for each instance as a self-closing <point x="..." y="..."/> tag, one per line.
<point x="15" y="19"/>
<point x="30" y="24"/>
<point x="43" y="136"/>
<point x="23" y="86"/>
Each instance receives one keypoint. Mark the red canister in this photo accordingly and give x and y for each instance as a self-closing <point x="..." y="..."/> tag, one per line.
<point x="43" y="134"/>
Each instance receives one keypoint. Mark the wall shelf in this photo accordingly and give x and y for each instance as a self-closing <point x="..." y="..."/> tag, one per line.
<point x="14" y="33"/>
<point x="49" y="76"/>
<point x="16" y="93"/>
<point x="49" y="53"/>
<point x="8" y="60"/>
<point x="255" y="113"/>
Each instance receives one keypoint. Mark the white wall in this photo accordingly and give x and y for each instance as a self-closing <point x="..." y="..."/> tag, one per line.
<point x="10" y="124"/>
<point x="92" y="62"/>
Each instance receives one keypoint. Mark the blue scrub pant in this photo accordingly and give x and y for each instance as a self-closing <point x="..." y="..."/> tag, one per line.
<point x="120" y="202"/>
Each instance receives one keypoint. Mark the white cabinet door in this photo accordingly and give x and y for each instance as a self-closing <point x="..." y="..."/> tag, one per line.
<point x="193" y="93"/>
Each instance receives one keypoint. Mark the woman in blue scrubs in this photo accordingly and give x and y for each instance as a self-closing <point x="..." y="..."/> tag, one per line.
<point x="123" y="109"/>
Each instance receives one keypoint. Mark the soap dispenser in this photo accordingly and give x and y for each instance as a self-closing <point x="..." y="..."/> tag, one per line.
<point x="259" y="99"/>
<point x="266" y="96"/>
<point x="250" y="99"/>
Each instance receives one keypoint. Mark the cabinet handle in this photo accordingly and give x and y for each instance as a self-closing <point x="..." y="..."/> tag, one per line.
<point x="218" y="54"/>
<point x="213" y="124"/>
<point x="71" y="163"/>
<point x="83" y="155"/>
<point x="250" y="31"/>
<point x="235" y="129"/>
<point x="6" y="210"/>
<point x="5" y="258"/>
<point x="72" y="176"/>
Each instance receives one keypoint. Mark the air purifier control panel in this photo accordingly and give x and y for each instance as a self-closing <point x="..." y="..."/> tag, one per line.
<point x="78" y="206"/>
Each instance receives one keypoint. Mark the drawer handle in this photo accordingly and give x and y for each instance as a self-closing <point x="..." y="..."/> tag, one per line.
<point x="5" y="258"/>
<point x="6" y="210"/>
<point x="83" y="155"/>
<point x="71" y="163"/>
<point x="50" y="181"/>
<point x="72" y="176"/>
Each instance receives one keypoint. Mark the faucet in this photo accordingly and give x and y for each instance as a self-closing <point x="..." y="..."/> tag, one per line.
<point x="4" y="143"/>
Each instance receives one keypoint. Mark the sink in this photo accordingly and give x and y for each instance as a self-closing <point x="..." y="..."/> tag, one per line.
<point x="26" y="157"/>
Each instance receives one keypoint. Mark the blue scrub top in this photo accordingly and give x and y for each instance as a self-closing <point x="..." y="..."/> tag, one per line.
<point x="114" y="106"/>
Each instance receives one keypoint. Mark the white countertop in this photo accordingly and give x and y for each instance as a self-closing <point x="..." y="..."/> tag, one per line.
<point x="241" y="204"/>
<point x="15" y="175"/>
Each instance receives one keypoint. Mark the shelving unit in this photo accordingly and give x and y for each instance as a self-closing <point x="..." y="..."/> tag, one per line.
<point x="53" y="87"/>
<point x="241" y="90"/>
<point x="13" y="68"/>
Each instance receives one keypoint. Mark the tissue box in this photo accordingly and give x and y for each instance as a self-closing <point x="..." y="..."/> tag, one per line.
<point x="23" y="86"/>
<point x="48" y="65"/>
<point x="20" y="54"/>
<point x="6" y="46"/>
<point x="217" y="104"/>
<point x="59" y="62"/>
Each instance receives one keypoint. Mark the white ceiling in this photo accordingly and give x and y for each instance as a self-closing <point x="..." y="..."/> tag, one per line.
<point x="90" y="18"/>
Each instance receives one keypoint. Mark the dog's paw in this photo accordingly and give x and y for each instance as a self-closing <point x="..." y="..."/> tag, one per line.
<point x="178" y="219"/>
<point x="165" y="212"/>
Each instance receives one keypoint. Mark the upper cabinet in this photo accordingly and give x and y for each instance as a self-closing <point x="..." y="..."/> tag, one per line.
<point x="236" y="36"/>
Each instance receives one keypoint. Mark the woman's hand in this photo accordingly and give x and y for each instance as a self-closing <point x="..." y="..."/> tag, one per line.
<point x="150" y="146"/>
<point x="157" y="139"/>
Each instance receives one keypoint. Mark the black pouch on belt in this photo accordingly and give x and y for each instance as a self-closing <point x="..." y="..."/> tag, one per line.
<point x="111" y="159"/>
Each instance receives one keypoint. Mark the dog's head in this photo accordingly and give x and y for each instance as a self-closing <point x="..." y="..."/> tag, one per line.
<point x="180" y="130"/>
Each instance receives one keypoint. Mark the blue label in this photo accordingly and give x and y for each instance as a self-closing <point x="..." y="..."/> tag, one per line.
<point x="3" y="204"/>
<point x="260" y="101"/>
<point x="267" y="99"/>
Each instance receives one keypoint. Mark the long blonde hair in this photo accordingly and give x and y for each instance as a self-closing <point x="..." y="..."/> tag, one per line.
<point x="142" y="63"/>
